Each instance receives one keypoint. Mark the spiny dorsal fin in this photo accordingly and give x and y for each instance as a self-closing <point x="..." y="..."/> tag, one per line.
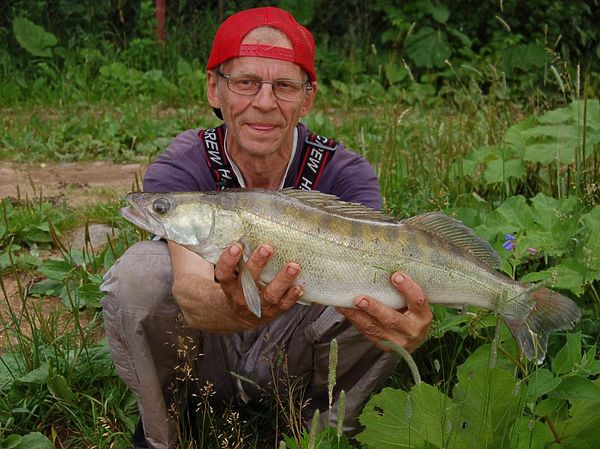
<point x="455" y="231"/>
<point x="333" y="205"/>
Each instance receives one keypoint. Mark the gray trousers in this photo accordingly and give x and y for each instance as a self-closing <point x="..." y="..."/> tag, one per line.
<point x="154" y="351"/>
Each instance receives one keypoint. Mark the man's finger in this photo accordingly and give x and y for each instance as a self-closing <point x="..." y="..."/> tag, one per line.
<point x="225" y="269"/>
<point x="258" y="260"/>
<point x="281" y="283"/>
<point x="412" y="293"/>
<point x="386" y="316"/>
<point x="362" y="319"/>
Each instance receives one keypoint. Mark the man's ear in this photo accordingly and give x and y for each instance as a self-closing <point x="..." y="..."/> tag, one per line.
<point x="212" y="89"/>
<point x="308" y="102"/>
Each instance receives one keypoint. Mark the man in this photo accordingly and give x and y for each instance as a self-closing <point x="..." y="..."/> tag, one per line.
<point x="261" y="80"/>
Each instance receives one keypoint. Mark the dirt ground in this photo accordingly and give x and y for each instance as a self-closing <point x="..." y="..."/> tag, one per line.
<point x="78" y="184"/>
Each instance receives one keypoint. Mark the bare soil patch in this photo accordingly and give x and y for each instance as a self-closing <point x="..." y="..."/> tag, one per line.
<point x="79" y="184"/>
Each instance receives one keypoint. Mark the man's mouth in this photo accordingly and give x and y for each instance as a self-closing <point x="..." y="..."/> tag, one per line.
<point x="261" y="127"/>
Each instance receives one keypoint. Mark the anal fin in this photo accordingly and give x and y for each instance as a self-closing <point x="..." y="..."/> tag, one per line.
<point x="251" y="293"/>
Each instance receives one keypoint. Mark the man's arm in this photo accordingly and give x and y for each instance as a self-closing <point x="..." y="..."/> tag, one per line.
<point x="211" y="298"/>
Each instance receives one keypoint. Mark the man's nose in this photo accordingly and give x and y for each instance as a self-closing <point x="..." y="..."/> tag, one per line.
<point x="266" y="95"/>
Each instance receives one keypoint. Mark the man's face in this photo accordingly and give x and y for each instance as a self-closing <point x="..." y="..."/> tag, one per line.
<point x="258" y="125"/>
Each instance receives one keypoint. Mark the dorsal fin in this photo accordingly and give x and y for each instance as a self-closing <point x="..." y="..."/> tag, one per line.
<point x="333" y="205"/>
<point x="455" y="231"/>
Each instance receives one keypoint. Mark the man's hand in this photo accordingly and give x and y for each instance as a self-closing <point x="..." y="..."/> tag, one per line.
<point x="277" y="296"/>
<point x="211" y="298"/>
<point x="407" y="327"/>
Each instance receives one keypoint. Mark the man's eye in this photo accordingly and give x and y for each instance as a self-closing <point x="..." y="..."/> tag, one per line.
<point x="287" y="85"/>
<point x="246" y="83"/>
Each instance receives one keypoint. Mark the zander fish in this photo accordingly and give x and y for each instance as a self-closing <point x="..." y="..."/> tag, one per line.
<point x="346" y="250"/>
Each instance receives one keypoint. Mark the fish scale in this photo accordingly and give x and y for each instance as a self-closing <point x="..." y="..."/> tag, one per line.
<point x="346" y="250"/>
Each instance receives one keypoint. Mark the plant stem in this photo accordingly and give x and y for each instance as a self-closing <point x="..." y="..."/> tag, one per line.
<point x="406" y="356"/>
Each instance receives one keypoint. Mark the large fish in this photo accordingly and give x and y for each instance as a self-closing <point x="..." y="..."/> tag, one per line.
<point x="346" y="250"/>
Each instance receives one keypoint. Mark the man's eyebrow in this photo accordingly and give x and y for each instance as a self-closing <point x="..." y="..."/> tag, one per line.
<point x="253" y="75"/>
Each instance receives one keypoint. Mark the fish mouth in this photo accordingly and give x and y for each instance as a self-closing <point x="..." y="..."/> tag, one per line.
<point x="137" y="214"/>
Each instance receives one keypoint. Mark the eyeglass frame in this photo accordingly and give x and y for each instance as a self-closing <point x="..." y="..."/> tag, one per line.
<point x="306" y="84"/>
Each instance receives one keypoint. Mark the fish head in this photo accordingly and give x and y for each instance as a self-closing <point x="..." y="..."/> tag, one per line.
<point x="178" y="217"/>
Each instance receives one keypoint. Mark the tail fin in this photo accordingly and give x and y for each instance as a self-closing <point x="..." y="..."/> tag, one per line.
<point x="551" y="311"/>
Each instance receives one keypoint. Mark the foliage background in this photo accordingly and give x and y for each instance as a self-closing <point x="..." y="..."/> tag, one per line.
<point x="357" y="38"/>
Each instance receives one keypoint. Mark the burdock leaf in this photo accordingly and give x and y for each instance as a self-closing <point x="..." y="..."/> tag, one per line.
<point x="489" y="401"/>
<point x="33" y="38"/>
<point x="395" y="418"/>
<point x="428" y="48"/>
<point x="499" y="170"/>
<point x="562" y="151"/>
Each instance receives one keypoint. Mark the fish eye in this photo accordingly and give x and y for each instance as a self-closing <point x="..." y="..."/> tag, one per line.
<point x="161" y="206"/>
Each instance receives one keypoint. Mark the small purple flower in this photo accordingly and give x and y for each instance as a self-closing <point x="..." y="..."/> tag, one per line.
<point x="532" y="250"/>
<point x="509" y="243"/>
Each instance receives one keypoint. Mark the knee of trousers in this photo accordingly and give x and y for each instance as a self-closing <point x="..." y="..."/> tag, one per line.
<point x="140" y="281"/>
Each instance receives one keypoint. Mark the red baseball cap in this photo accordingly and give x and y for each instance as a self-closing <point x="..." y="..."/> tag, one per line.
<point x="231" y="33"/>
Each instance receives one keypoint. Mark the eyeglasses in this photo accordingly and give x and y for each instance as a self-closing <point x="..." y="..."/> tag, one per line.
<point x="283" y="89"/>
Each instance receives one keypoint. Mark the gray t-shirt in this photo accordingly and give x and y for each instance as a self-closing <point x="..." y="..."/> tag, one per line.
<point x="182" y="167"/>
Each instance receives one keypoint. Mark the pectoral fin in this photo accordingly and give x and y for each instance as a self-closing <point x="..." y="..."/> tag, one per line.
<point x="251" y="293"/>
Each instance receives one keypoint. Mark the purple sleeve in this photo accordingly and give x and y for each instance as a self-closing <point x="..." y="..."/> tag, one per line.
<point x="351" y="178"/>
<point x="180" y="168"/>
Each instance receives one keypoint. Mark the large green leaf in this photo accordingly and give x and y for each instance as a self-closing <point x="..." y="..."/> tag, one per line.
<point x="480" y="361"/>
<point x="428" y="48"/>
<point x="395" y="418"/>
<point x="555" y="131"/>
<point x="591" y="248"/>
<point x="514" y="135"/>
<point x="528" y="433"/>
<point x="33" y="440"/>
<point x="569" y="274"/>
<point x="439" y="12"/>
<point x="574" y="113"/>
<point x="576" y="387"/>
<point x="541" y="382"/>
<point x="33" y="38"/>
<point x="524" y="57"/>
<point x="489" y="400"/>
<point x="501" y="170"/>
<point x="562" y="151"/>
<point x="512" y="216"/>
<point x="584" y="424"/>
<point x="569" y="355"/>
<point x="556" y="222"/>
